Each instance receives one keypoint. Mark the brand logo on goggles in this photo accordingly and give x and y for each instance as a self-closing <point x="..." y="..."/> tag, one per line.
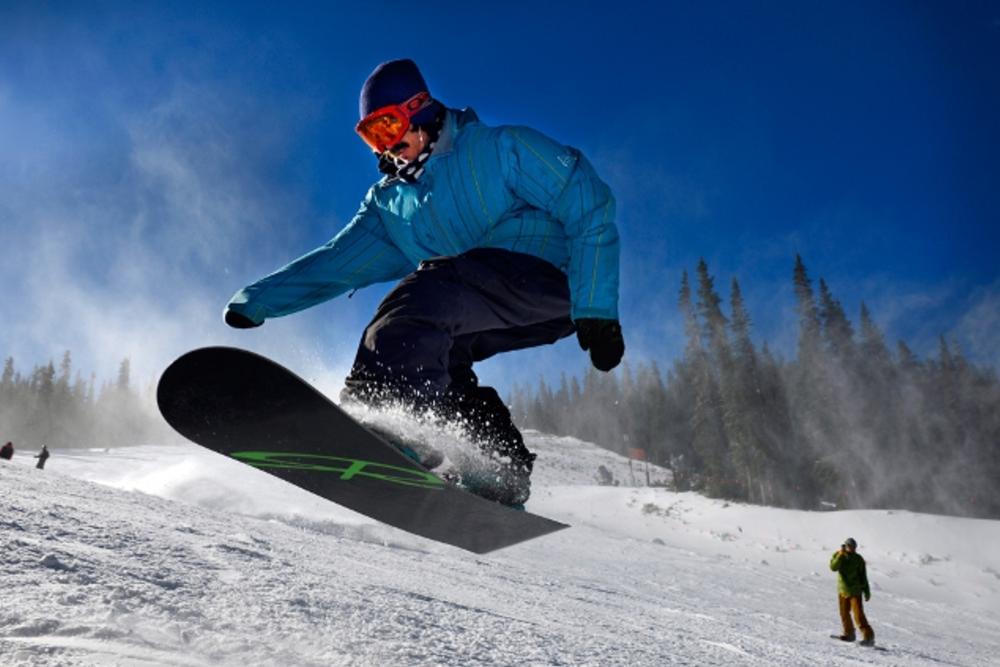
<point x="385" y="127"/>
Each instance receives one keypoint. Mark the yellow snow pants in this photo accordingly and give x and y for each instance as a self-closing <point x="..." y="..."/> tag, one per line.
<point x="853" y="603"/>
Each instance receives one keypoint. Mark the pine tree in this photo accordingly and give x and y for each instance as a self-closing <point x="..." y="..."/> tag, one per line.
<point x="682" y="398"/>
<point x="879" y="422"/>
<point x="873" y="346"/>
<point x="575" y="393"/>
<point x="908" y="361"/>
<point x="810" y="399"/>
<point x="538" y="410"/>
<point x="46" y="382"/>
<point x="560" y="405"/>
<point x="790" y="464"/>
<point x="123" y="375"/>
<point x="691" y="329"/>
<point x="809" y="323"/>
<point x="649" y="417"/>
<point x="837" y="330"/>
<point x="750" y="419"/>
<point x="518" y="405"/>
<point x="712" y="372"/>
<point x="65" y="370"/>
<point x="7" y="380"/>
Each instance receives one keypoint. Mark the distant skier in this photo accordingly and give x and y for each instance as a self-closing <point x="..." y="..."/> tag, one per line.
<point x="42" y="457"/>
<point x="504" y="240"/>
<point x="604" y="476"/>
<point x="7" y="451"/>
<point x="852" y="583"/>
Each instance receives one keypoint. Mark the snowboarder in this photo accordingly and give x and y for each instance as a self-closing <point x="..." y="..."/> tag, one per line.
<point x="42" y="457"/>
<point x="7" y="451"/>
<point x="852" y="583"/>
<point x="503" y="238"/>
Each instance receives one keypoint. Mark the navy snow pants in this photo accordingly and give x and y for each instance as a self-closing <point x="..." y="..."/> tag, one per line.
<point x="452" y="312"/>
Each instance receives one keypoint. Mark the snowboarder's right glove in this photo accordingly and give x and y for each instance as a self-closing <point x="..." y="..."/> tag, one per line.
<point x="604" y="340"/>
<point x="237" y="321"/>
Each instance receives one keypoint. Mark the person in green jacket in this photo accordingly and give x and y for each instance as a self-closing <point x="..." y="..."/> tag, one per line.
<point x="852" y="583"/>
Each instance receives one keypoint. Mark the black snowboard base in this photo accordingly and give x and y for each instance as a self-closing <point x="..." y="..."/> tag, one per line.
<point x="255" y="411"/>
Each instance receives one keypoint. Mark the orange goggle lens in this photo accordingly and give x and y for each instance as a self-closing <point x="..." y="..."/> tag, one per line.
<point x="384" y="128"/>
<point x="381" y="131"/>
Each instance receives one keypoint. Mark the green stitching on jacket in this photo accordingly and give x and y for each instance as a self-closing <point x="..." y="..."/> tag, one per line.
<point x="539" y="156"/>
<point x="482" y="200"/>
<point x="597" y="257"/>
<point x="369" y="262"/>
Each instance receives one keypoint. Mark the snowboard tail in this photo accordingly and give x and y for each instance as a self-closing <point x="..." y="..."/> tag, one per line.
<point x="245" y="406"/>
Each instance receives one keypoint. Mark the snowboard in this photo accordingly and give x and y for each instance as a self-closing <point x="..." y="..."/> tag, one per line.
<point x="874" y="647"/>
<point x="253" y="410"/>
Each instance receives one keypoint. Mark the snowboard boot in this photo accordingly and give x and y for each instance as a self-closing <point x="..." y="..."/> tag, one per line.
<point x="486" y="420"/>
<point x="845" y="638"/>
<point x="501" y="487"/>
<point x="507" y="479"/>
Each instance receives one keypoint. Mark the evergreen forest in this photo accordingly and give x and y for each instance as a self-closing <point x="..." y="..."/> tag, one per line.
<point x="56" y="407"/>
<point x="847" y="423"/>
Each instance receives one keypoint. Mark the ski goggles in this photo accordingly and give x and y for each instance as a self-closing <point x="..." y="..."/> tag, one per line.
<point x="385" y="127"/>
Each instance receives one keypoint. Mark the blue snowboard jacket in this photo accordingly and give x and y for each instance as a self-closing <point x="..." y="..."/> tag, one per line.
<point x="484" y="187"/>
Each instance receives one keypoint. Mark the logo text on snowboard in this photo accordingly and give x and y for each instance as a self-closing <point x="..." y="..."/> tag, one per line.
<point x="348" y="468"/>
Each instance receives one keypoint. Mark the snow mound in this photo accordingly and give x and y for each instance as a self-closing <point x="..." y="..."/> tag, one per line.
<point x="564" y="461"/>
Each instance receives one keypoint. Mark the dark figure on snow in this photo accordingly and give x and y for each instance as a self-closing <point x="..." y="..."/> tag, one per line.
<point x="852" y="583"/>
<point x="7" y="451"/>
<point x="42" y="457"/>
<point x="503" y="239"/>
<point x="604" y="476"/>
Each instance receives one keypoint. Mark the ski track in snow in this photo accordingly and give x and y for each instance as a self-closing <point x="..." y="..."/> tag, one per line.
<point x="170" y="555"/>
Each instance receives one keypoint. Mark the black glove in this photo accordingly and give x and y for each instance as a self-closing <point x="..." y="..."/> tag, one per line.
<point x="604" y="340"/>
<point x="237" y="321"/>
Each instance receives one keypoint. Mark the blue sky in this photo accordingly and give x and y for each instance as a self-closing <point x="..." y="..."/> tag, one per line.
<point x="152" y="161"/>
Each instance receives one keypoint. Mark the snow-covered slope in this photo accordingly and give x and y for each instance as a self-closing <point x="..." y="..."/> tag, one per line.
<point x="169" y="555"/>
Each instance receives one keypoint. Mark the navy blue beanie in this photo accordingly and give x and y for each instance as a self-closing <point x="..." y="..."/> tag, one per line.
<point x="394" y="82"/>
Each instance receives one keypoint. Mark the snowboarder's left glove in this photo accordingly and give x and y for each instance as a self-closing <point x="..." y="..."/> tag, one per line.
<point x="604" y="340"/>
<point x="238" y="321"/>
<point x="868" y="596"/>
